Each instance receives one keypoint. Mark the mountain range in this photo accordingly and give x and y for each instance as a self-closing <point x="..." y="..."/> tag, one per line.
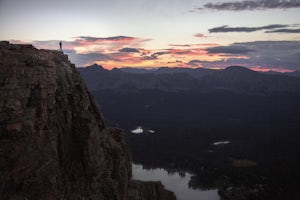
<point x="234" y="78"/>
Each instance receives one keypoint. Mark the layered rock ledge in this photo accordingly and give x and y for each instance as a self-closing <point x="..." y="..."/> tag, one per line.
<point x="53" y="141"/>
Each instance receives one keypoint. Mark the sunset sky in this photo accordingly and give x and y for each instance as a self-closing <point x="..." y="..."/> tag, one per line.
<point x="259" y="34"/>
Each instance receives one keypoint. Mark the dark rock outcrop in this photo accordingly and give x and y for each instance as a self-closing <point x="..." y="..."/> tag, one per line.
<point x="53" y="142"/>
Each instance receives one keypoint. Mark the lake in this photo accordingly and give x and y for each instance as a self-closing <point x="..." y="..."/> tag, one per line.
<point x="174" y="182"/>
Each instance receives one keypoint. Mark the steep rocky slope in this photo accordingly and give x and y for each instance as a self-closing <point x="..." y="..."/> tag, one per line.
<point x="53" y="142"/>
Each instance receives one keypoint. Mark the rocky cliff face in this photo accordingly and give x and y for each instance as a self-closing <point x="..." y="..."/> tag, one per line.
<point x="53" y="142"/>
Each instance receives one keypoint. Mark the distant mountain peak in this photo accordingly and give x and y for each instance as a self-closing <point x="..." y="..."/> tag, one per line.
<point x="117" y="70"/>
<point x="95" y="65"/>
<point x="238" y="69"/>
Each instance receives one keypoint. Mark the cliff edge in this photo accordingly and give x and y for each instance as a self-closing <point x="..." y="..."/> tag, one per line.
<point x="53" y="142"/>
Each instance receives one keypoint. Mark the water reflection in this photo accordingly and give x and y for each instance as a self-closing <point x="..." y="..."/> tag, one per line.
<point x="176" y="182"/>
<point x="221" y="142"/>
<point x="139" y="130"/>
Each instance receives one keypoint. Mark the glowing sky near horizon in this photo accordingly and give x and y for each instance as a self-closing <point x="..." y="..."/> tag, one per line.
<point x="174" y="33"/>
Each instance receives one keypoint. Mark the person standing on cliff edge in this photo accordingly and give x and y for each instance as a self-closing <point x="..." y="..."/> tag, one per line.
<point x="60" y="46"/>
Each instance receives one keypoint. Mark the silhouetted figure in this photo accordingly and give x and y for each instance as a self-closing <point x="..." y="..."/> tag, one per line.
<point x="60" y="46"/>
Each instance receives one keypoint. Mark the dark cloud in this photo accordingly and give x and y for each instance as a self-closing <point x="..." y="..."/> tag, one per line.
<point x="115" y="38"/>
<point x="226" y="29"/>
<point x="180" y="45"/>
<point x="195" y="63"/>
<point x="284" y="31"/>
<point x="129" y="50"/>
<point x="200" y="35"/>
<point x="155" y="55"/>
<point x="159" y="53"/>
<point x="234" y="49"/>
<point x="152" y="57"/>
<point x="178" y="52"/>
<point x="266" y="54"/>
<point x="253" y="5"/>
